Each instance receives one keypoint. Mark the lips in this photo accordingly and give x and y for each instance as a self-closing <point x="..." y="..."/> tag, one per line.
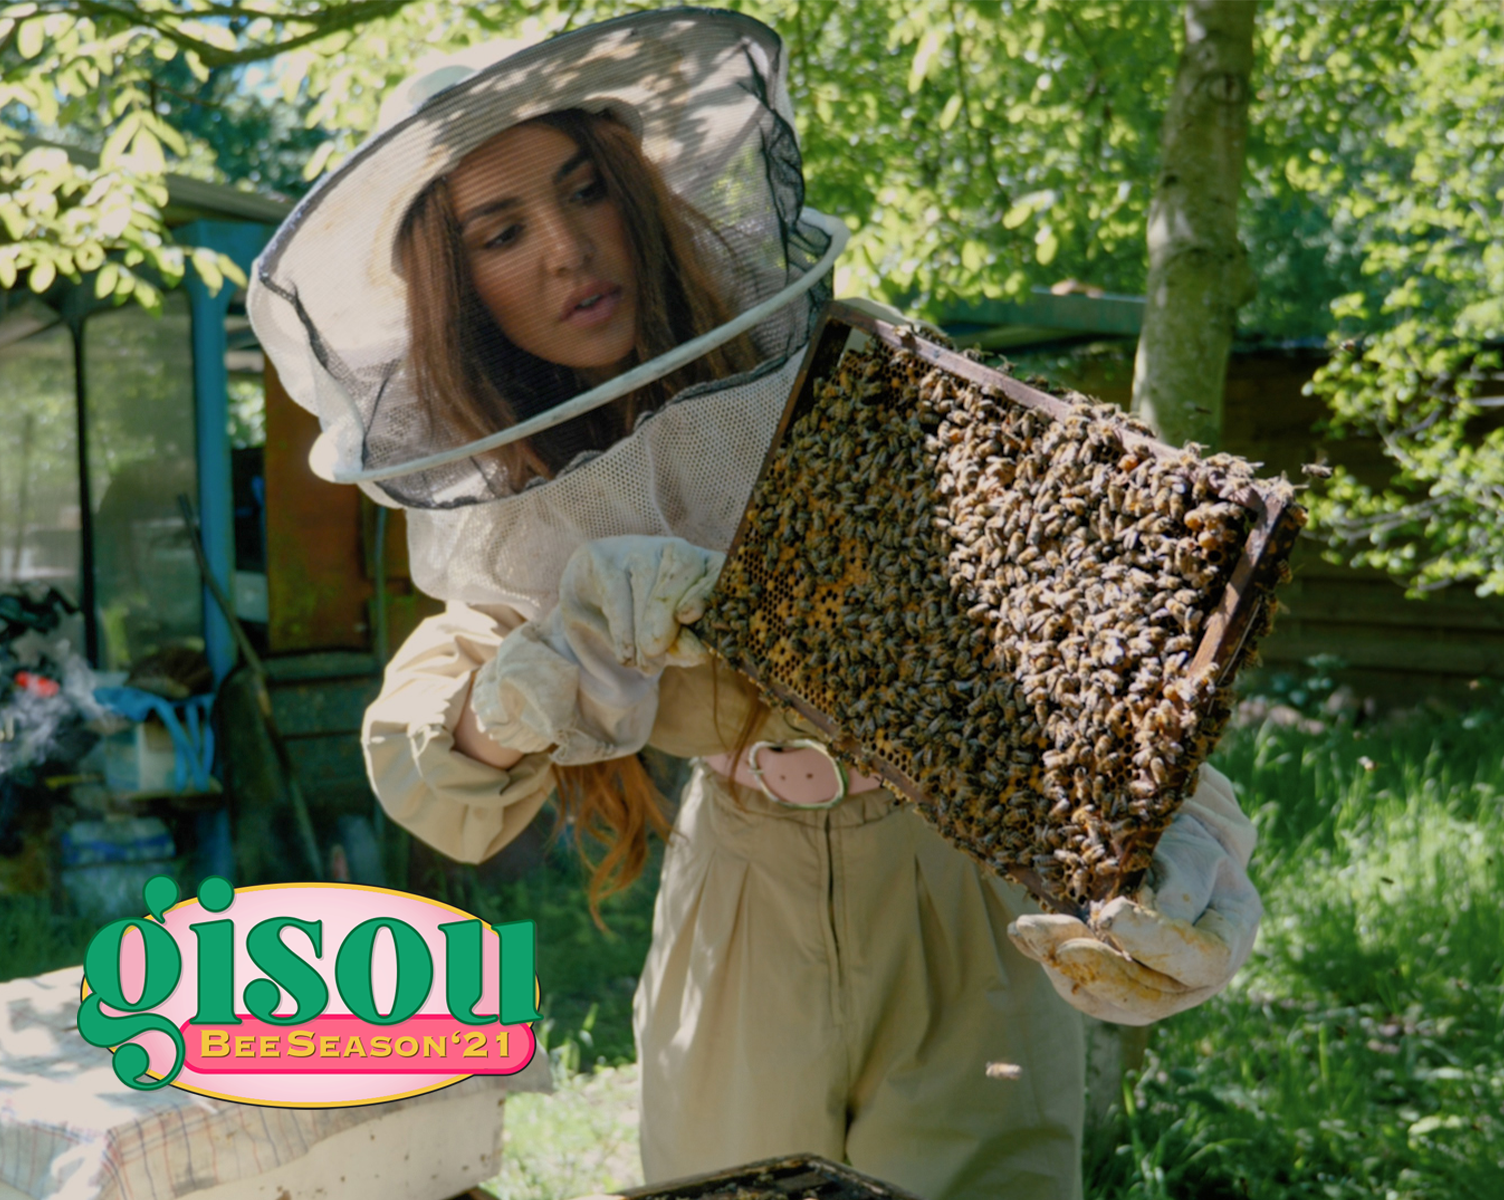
<point x="592" y="304"/>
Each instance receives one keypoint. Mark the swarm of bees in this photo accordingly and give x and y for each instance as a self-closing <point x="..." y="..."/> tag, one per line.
<point x="997" y="608"/>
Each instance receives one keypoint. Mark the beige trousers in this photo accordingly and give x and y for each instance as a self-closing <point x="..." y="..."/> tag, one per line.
<point x="837" y="982"/>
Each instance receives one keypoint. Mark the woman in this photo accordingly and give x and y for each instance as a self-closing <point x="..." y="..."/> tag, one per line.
<point x="826" y="974"/>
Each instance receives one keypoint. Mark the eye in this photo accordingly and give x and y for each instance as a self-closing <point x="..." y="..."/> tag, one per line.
<point x="503" y="237"/>
<point x="590" y="191"/>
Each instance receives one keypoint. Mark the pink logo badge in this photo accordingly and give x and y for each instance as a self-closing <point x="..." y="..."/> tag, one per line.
<point x="308" y="995"/>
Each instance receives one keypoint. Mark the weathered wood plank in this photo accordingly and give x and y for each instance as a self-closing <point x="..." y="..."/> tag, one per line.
<point x="1360" y="647"/>
<point x="1333" y="601"/>
<point x="317" y="592"/>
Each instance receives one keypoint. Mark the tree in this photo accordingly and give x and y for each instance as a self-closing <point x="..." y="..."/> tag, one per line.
<point x="1198" y="270"/>
<point x="90" y="74"/>
<point x="979" y="148"/>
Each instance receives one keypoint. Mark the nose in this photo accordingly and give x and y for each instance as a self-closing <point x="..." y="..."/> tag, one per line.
<point x="566" y="245"/>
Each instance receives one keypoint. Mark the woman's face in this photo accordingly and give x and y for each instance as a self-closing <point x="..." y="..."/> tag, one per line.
<point x="547" y="248"/>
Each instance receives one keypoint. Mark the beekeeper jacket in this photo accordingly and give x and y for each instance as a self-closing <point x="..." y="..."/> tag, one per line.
<point x="834" y="981"/>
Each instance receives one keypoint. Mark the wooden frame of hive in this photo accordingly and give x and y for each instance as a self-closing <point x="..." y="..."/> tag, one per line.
<point x="797" y="1177"/>
<point x="1274" y="525"/>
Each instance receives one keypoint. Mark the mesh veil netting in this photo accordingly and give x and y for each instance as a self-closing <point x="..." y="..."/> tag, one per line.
<point x="686" y="473"/>
<point x="704" y="92"/>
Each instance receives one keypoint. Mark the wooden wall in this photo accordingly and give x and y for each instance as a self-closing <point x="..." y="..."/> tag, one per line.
<point x="1396" y="649"/>
<point x="321" y="548"/>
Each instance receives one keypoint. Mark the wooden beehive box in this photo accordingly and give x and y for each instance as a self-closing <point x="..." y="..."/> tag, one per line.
<point x="796" y="1177"/>
<point x="1019" y="610"/>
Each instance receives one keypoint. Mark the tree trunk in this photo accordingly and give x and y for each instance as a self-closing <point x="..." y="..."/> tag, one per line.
<point x="1198" y="270"/>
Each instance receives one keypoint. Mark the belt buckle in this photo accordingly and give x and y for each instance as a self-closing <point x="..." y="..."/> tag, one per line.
<point x="842" y="780"/>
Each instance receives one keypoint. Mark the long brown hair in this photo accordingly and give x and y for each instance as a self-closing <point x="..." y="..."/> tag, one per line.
<point x="471" y="380"/>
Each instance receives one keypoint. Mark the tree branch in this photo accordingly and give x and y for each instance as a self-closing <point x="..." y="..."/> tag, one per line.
<point x="327" y="20"/>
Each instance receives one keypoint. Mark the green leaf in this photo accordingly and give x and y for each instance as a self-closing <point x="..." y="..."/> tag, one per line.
<point x="146" y="153"/>
<point x="105" y="281"/>
<point x="214" y="34"/>
<point x="317" y="159"/>
<point x="206" y="264"/>
<point x="145" y="295"/>
<point x="119" y="139"/>
<point x="1046" y="244"/>
<point x="116" y="218"/>
<point x="1017" y="215"/>
<point x="923" y="56"/>
<point x="166" y="134"/>
<point x="30" y="38"/>
<point x="88" y="256"/>
<point x="42" y="275"/>
<point x="951" y="110"/>
<point x="44" y="160"/>
<point x="292" y="71"/>
<point x="231" y="271"/>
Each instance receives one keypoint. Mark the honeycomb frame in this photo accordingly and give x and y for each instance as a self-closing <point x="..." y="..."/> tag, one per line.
<point x="784" y="604"/>
<point x="792" y="1177"/>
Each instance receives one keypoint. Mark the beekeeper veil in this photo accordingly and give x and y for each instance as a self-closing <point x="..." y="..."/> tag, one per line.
<point x="489" y="401"/>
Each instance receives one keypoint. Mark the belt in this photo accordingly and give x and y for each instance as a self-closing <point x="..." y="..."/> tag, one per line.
<point x="800" y="773"/>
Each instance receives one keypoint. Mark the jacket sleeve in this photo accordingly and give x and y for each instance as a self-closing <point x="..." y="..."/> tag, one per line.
<point x="459" y="806"/>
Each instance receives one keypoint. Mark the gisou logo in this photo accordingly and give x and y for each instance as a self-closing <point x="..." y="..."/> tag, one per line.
<point x="308" y="995"/>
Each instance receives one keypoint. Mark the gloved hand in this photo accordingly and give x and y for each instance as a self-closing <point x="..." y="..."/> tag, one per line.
<point x="584" y="679"/>
<point x="1188" y="930"/>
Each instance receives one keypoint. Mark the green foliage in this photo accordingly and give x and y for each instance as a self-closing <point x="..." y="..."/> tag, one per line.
<point x="237" y="133"/>
<point x="587" y="974"/>
<point x="1358" y="1053"/>
<point x="93" y="75"/>
<point x="579" y="1140"/>
<point x="35" y="939"/>
<point x="977" y="148"/>
<point x="1401" y="130"/>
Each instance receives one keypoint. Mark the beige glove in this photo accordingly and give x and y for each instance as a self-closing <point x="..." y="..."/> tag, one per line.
<point x="1182" y="937"/>
<point x="584" y="679"/>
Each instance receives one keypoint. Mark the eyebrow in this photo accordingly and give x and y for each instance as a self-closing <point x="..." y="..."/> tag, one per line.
<point x="569" y="167"/>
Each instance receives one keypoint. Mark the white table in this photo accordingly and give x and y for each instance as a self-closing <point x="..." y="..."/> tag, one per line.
<point x="69" y="1130"/>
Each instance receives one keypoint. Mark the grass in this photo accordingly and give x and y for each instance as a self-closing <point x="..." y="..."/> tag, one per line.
<point x="35" y="939"/>
<point x="1361" y="1052"/>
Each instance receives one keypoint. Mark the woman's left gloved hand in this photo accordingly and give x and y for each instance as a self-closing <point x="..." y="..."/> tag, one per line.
<point x="584" y="679"/>
<point x="1187" y="931"/>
